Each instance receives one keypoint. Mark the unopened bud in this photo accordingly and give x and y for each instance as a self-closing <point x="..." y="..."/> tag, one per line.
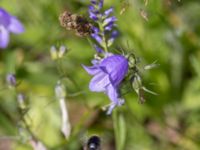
<point x="60" y="90"/>
<point x="131" y="60"/>
<point x="136" y="82"/>
<point x="53" y="53"/>
<point x="11" y="80"/>
<point x="21" y="101"/>
<point x="57" y="53"/>
<point x="61" y="51"/>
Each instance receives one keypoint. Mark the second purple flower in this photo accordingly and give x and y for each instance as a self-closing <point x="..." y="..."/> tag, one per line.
<point x="8" y="23"/>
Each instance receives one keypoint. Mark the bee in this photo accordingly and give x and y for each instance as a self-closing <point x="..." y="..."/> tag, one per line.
<point x="93" y="143"/>
<point x="79" y="24"/>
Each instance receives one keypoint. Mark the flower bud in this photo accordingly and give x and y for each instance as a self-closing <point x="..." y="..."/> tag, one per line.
<point x="21" y="101"/>
<point x="53" y="53"/>
<point x="57" y="53"/>
<point x="136" y="82"/>
<point x="61" y="51"/>
<point x="11" y="80"/>
<point x="60" y="91"/>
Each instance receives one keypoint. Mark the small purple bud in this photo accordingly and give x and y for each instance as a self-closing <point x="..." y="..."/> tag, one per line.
<point x="11" y="80"/>
<point x="93" y="16"/>
<point x="97" y="38"/>
<point x="114" y="34"/>
<point x="109" y="20"/>
<point x="109" y="26"/>
<point x="91" y="8"/>
<point x="100" y="4"/>
<point x="94" y="2"/>
<point x="98" y="49"/>
<point x="95" y="29"/>
<point x="108" y="12"/>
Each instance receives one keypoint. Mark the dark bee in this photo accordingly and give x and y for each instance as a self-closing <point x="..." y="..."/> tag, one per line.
<point x="75" y="22"/>
<point x="93" y="143"/>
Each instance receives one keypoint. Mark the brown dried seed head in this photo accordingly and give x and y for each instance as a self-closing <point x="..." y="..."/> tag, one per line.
<point x="71" y="26"/>
<point x="74" y="17"/>
<point x="75" y="22"/>
<point x="64" y="18"/>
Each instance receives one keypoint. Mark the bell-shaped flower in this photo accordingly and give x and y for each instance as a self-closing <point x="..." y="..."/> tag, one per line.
<point x="8" y="23"/>
<point x="108" y="74"/>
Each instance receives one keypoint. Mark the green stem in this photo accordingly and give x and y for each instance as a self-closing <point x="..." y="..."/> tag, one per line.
<point x="119" y="129"/>
<point x="105" y="46"/>
<point x="115" y="125"/>
<point x="105" y="43"/>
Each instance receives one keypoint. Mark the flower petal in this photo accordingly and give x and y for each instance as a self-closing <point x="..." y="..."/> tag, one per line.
<point x="4" y="37"/>
<point x="4" y="18"/>
<point x="117" y="67"/>
<point x="110" y="109"/>
<point x="99" y="82"/>
<point x="16" y="26"/>
<point x="112" y="93"/>
<point x="91" y="70"/>
<point x="95" y="61"/>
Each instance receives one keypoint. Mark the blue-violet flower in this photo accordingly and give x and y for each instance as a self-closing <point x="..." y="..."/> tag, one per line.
<point x="8" y="23"/>
<point x="108" y="74"/>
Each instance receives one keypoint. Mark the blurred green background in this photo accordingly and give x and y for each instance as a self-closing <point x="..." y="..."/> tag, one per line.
<point x="166" y="31"/>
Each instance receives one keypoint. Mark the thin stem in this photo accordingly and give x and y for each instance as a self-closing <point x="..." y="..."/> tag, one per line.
<point x="119" y="129"/>
<point x="105" y="46"/>
<point x="115" y="125"/>
<point x="105" y="43"/>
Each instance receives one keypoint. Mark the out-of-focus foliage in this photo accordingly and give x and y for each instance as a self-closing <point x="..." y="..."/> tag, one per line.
<point x="166" y="31"/>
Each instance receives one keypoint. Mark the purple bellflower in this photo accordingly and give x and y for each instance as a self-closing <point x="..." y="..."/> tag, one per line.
<point x="103" y="34"/>
<point x="8" y="23"/>
<point x="108" y="74"/>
